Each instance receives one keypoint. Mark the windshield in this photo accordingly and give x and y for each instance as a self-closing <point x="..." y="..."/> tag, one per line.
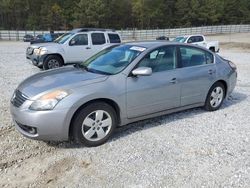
<point x="113" y="59"/>
<point x="63" y="38"/>
<point x="180" y="39"/>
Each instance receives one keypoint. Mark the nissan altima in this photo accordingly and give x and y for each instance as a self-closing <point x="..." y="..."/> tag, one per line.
<point x="119" y="85"/>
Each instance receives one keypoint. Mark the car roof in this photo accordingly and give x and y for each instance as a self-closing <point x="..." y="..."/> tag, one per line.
<point x="157" y="43"/>
<point x="186" y="36"/>
<point x="78" y="30"/>
<point x="153" y="43"/>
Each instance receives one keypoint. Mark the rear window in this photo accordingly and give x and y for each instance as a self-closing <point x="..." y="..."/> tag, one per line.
<point x="194" y="57"/>
<point x="114" y="38"/>
<point x="98" y="38"/>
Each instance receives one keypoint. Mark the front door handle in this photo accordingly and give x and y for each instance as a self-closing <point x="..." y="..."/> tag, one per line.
<point x="88" y="48"/>
<point x="173" y="81"/>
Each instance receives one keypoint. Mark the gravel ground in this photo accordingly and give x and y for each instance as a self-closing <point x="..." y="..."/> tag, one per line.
<point x="193" y="148"/>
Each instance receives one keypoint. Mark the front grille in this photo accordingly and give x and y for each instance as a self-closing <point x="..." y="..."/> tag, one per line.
<point x="18" y="98"/>
<point x="30" y="50"/>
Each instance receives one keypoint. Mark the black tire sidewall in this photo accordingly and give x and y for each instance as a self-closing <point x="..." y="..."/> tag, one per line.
<point x="208" y="106"/>
<point x="77" y="135"/>
<point x="48" y="58"/>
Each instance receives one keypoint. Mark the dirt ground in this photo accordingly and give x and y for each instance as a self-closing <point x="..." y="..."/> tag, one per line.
<point x="193" y="148"/>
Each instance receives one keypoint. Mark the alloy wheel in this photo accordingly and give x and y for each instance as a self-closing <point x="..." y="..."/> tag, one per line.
<point x="216" y="97"/>
<point x="96" y="125"/>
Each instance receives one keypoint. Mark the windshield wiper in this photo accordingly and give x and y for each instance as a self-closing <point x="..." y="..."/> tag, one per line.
<point x="79" y="66"/>
<point x="98" y="72"/>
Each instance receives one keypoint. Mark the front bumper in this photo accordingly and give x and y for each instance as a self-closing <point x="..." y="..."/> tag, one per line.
<point x="52" y="125"/>
<point x="37" y="60"/>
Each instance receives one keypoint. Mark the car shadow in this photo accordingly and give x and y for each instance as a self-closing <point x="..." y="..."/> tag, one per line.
<point x="123" y="131"/>
<point x="166" y="120"/>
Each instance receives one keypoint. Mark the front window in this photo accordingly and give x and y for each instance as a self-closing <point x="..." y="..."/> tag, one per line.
<point x="180" y="39"/>
<point x="113" y="59"/>
<point x="161" y="59"/>
<point x="63" y="38"/>
<point x="79" y="40"/>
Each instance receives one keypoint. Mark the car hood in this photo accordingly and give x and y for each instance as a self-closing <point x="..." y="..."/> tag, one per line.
<point x="61" y="78"/>
<point x="47" y="44"/>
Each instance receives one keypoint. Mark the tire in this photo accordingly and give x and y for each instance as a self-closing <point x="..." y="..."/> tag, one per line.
<point x="88" y="125"/>
<point x="52" y="61"/>
<point x="215" y="97"/>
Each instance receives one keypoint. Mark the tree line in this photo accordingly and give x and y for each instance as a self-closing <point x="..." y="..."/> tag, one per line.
<point x="120" y="14"/>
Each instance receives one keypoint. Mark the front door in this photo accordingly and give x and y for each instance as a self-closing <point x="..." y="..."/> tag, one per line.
<point x="157" y="92"/>
<point x="78" y="48"/>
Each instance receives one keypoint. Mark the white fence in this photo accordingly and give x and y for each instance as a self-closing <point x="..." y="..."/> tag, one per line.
<point x="145" y="34"/>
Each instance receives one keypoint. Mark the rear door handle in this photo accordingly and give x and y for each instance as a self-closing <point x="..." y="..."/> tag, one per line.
<point x="211" y="71"/>
<point x="173" y="81"/>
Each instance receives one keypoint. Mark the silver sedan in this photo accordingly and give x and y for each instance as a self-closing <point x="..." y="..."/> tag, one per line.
<point x="119" y="85"/>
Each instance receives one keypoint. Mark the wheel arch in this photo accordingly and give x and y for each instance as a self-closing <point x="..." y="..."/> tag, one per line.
<point x="110" y="102"/>
<point x="55" y="54"/>
<point x="224" y="84"/>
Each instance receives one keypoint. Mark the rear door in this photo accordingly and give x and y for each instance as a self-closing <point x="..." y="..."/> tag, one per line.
<point x="157" y="92"/>
<point x="197" y="74"/>
<point x="98" y="42"/>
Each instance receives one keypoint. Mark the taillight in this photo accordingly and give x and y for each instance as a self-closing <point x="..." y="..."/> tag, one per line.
<point x="232" y="65"/>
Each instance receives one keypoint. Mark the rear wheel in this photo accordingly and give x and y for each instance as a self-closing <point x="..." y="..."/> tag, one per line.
<point x="94" y="124"/>
<point x="215" y="97"/>
<point x="52" y="61"/>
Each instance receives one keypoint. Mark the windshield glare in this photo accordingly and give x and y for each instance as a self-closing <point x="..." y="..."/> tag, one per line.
<point x="63" y="38"/>
<point x="113" y="59"/>
<point x="180" y="39"/>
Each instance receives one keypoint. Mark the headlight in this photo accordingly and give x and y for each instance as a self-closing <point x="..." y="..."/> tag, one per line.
<point x="49" y="100"/>
<point x="36" y="51"/>
<point x="43" y="51"/>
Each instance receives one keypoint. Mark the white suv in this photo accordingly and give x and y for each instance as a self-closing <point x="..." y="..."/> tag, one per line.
<point x="73" y="47"/>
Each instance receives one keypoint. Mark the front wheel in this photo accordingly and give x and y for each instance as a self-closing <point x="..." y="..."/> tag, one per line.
<point x="215" y="97"/>
<point x="94" y="124"/>
<point x="52" y="61"/>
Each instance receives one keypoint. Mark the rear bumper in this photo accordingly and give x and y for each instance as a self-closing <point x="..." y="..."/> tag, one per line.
<point x="231" y="83"/>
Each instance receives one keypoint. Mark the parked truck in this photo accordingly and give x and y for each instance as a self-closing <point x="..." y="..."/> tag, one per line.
<point x="199" y="40"/>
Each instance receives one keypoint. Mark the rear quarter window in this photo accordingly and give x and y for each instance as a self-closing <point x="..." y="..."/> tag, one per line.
<point x="114" y="38"/>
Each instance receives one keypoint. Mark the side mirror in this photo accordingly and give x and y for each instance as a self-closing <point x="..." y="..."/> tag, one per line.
<point x="72" y="42"/>
<point x="142" y="71"/>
